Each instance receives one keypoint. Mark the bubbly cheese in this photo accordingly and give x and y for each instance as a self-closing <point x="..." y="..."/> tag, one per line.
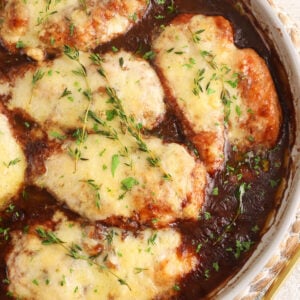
<point x="125" y="266"/>
<point x="114" y="178"/>
<point x="36" y="25"/>
<point x="57" y="96"/>
<point x="138" y="85"/>
<point x="12" y="164"/>
<point x="217" y="86"/>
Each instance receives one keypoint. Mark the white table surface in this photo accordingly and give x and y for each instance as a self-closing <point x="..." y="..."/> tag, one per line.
<point x="290" y="289"/>
<point x="292" y="7"/>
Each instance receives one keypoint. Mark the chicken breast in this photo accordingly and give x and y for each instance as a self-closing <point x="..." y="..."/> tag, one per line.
<point x="12" y="165"/>
<point x="115" y="178"/>
<point x="38" y="25"/>
<point x="59" y="94"/>
<point x="219" y="91"/>
<point x="64" y="259"/>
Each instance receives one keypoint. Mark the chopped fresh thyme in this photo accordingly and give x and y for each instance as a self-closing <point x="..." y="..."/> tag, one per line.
<point x="20" y="44"/>
<point x="38" y="75"/>
<point x="216" y="266"/>
<point x="98" y="60"/>
<point x="84" y="6"/>
<point x="65" y="93"/>
<point x="196" y="36"/>
<point x="75" y="251"/>
<point x="12" y="162"/>
<point x="115" y="161"/>
<point x="73" y="54"/>
<point x="57" y="135"/>
<point x="197" y="82"/>
<point x="96" y="188"/>
<point x="199" y="247"/>
<point x="149" y="55"/>
<point x="139" y="270"/>
<point x="152" y="239"/>
<point x="48" y="237"/>
<point x="128" y="183"/>
<point x="44" y="15"/>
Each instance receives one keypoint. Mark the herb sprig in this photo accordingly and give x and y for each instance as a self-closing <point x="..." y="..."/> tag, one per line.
<point x="134" y="129"/>
<point x="75" y="251"/>
<point x="73" y="54"/>
<point x="37" y="76"/>
<point x="221" y="73"/>
<point x="44" y="15"/>
<point x="241" y="190"/>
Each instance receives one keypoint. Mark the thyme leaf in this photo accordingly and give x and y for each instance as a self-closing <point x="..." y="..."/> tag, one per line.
<point x="75" y="251"/>
<point x="128" y="183"/>
<point x="115" y="161"/>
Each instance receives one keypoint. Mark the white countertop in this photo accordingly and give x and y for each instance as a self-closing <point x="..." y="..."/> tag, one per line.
<point x="292" y="7"/>
<point x="290" y="289"/>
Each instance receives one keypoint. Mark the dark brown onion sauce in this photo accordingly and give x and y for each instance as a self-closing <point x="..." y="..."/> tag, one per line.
<point x="227" y="232"/>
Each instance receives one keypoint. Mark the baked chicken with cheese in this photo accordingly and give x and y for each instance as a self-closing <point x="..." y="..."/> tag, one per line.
<point x="35" y="26"/>
<point x="220" y="92"/>
<point x="124" y="190"/>
<point x="115" y="179"/>
<point x="64" y="259"/>
<point x="12" y="163"/>
<point x="58" y="94"/>
<point x="110" y="168"/>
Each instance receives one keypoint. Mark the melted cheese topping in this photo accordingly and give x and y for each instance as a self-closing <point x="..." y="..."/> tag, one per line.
<point x="149" y="263"/>
<point x="215" y="85"/>
<point x="58" y="99"/>
<point x="12" y="163"/>
<point x="101" y="188"/>
<point x="138" y="85"/>
<point x="35" y="24"/>
<point x="109" y="170"/>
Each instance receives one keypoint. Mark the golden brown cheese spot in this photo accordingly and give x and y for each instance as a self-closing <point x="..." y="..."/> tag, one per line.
<point x="221" y="92"/>
<point x="135" y="188"/>
<point x="126" y="266"/>
<point x="53" y="24"/>
<point x="204" y="142"/>
<point x="57" y="99"/>
<point x="259" y="96"/>
<point x="225" y="31"/>
<point x="12" y="163"/>
<point x="15" y="19"/>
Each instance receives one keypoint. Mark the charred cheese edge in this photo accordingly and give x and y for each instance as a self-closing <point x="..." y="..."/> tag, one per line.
<point x="12" y="164"/>
<point x="126" y="266"/>
<point x="57" y="96"/>
<point x="221" y="91"/>
<point x="37" y="25"/>
<point x="101" y="188"/>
